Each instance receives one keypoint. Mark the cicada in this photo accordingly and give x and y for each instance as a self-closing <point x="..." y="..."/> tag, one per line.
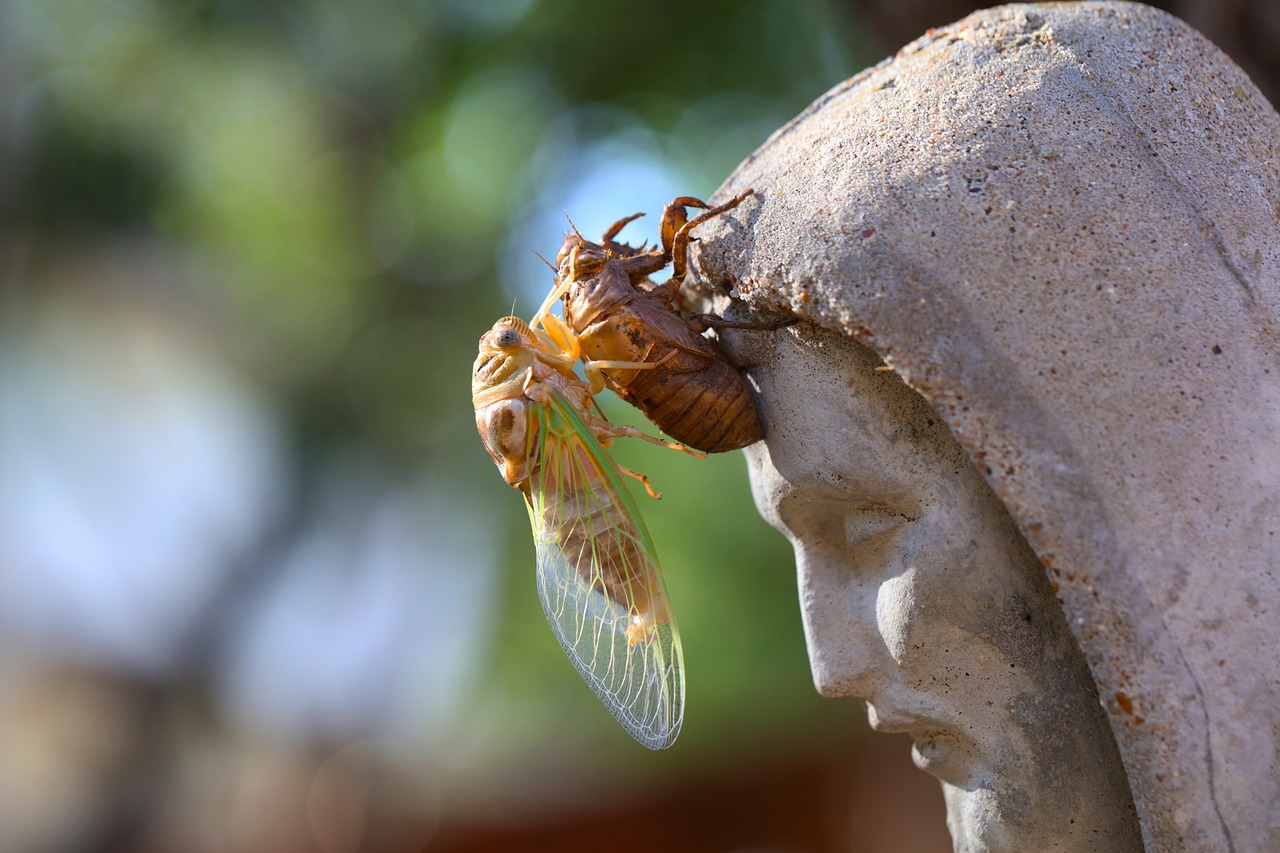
<point x="653" y="355"/>
<point x="598" y="576"/>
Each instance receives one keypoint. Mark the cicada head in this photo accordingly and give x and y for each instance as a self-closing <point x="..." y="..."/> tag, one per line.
<point x="506" y="356"/>
<point x="579" y="258"/>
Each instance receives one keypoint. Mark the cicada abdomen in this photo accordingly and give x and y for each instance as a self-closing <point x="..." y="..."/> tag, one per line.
<point x="603" y="540"/>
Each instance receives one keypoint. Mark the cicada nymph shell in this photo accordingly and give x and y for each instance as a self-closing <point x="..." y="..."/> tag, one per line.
<point x="621" y="317"/>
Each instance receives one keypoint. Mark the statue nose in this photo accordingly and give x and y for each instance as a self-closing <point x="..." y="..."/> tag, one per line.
<point x="847" y="655"/>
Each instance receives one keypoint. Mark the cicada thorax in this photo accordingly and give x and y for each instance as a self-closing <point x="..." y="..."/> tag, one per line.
<point x="694" y="395"/>
<point x="507" y="363"/>
<point x="498" y="376"/>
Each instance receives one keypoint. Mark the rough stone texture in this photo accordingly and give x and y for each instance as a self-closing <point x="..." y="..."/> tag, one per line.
<point x="1060" y="224"/>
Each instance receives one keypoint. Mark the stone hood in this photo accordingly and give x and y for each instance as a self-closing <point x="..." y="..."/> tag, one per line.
<point x="1060" y="224"/>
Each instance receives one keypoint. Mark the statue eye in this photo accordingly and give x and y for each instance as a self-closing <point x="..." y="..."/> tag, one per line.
<point x="863" y="526"/>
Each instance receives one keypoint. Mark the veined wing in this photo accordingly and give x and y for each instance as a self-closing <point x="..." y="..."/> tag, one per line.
<point x="599" y="580"/>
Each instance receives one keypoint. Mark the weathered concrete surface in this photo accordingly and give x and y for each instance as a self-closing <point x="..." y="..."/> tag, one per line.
<point x="1060" y="224"/>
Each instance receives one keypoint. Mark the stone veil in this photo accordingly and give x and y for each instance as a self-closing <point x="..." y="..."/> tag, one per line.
<point x="1060" y="225"/>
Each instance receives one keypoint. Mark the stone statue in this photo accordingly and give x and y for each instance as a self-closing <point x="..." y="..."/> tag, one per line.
<point x="1027" y="441"/>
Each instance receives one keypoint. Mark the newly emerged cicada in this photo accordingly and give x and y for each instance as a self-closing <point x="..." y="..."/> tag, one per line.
<point x="597" y="574"/>
<point x="623" y="319"/>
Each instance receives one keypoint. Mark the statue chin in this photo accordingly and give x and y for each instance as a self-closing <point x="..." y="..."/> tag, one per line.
<point x="976" y="824"/>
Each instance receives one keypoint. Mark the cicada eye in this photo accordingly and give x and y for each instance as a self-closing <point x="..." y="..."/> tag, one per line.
<point x="571" y="242"/>
<point x="506" y="338"/>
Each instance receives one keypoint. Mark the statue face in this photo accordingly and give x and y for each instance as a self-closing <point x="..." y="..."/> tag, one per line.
<point x="920" y="596"/>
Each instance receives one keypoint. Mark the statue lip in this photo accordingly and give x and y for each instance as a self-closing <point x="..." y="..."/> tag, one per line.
<point x="937" y="748"/>
<point x="893" y="721"/>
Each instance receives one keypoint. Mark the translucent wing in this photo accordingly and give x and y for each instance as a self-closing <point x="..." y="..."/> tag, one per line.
<point x="599" y="580"/>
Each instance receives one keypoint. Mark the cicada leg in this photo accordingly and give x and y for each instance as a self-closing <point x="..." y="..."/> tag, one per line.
<point x="594" y="369"/>
<point x="657" y="496"/>
<point x="543" y="314"/>
<point x="680" y="242"/>
<point x="558" y="342"/>
<point x="702" y="322"/>
<point x="606" y="431"/>
<point x="556" y="335"/>
<point x="616" y="227"/>
<point x="676" y="217"/>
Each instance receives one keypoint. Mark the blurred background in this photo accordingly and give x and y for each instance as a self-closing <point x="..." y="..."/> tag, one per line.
<point x="261" y="589"/>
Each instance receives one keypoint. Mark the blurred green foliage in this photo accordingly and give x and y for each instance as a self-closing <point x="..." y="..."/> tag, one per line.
<point x="339" y="184"/>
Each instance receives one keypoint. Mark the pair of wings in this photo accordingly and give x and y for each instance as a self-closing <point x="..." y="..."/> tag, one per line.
<point x="598" y="575"/>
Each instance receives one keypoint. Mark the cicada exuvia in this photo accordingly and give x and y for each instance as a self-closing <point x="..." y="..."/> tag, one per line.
<point x="651" y="354"/>
<point x="597" y="574"/>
